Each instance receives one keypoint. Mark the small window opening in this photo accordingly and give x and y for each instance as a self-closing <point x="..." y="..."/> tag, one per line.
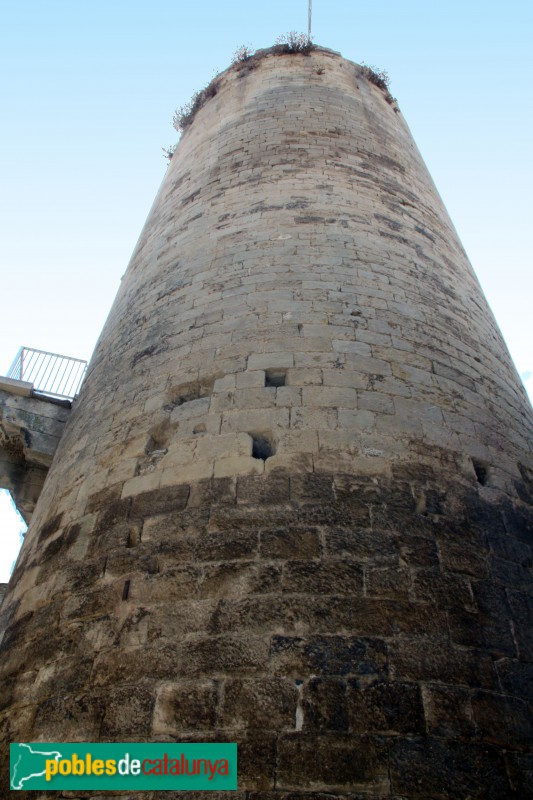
<point x="481" y="470"/>
<point x="131" y="541"/>
<point x="275" y="377"/>
<point x="262" y="447"/>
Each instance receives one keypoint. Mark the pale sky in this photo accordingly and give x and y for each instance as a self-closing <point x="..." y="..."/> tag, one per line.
<point x="88" y="94"/>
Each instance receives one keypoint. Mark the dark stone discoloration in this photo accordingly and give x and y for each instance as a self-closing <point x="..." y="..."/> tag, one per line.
<point x="173" y="498"/>
<point x="445" y="770"/>
<point x="367" y="632"/>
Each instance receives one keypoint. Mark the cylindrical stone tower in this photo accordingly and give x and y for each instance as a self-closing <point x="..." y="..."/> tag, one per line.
<point x="290" y="505"/>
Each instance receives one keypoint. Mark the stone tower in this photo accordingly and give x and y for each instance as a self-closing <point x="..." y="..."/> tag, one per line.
<point x="290" y="507"/>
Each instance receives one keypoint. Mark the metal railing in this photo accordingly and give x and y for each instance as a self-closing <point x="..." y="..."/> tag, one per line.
<point x="50" y="373"/>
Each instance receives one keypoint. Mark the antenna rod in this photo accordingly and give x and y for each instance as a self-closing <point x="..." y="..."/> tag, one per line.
<point x="309" y="19"/>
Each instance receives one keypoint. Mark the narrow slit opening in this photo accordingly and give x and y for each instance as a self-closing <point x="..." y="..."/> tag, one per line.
<point x="482" y="471"/>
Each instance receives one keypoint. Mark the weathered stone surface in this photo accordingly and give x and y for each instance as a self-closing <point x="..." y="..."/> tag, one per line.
<point x="186" y="706"/>
<point x="385" y="707"/>
<point x="444" y="770"/>
<point x="264" y="704"/>
<point x="336" y="761"/>
<point x="290" y="508"/>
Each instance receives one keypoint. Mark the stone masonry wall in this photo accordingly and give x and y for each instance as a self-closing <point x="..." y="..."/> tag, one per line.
<point x="292" y="506"/>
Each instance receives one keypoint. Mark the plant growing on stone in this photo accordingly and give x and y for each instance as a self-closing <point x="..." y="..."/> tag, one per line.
<point x="380" y="78"/>
<point x="242" y="53"/>
<point x="293" y="42"/>
<point x="185" y="114"/>
<point x="169" y="151"/>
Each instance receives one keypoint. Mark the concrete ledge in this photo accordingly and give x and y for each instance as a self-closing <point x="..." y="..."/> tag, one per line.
<point x="30" y="430"/>
<point x="21" y="388"/>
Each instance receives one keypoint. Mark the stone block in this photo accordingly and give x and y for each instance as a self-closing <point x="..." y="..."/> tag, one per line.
<point x="257" y="752"/>
<point x="224" y="445"/>
<point x="443" y="590"/>
<point x="312" y="577"/>
<point x="222" y="401"/>
<point x="336" y="655"/>
<point x="448" y="712"/>
<point x="112" y="514"/>
<point x="262" y="361"/>
<point x="250" y="379"/>
<point x="292" y="463"/>
<point x="183" y="707"/>
<point x="226" y="545"/>
<point x="329" y="396"/>
<point x="259" y="492"/>
<point x="238" y="465"/>
<point x="385" y="708"/>
<point x="434" y="660"/>
<point x="99" y="499"/>
<point x="255" y="420"/>
<point x="261" y="704"/>
<point x="348" y="464"/>
<point x="313" y="419"/>
<point x="141" y="483"/>
<point x="335" y="761"/>
<point x="516" y="677"/>
<point x="304" y="377"/>
<point x="224" y="655"/>
<point x="344" y="377"/>
<point x="225" y="384"/>
<point x="288" y="396"/>
<point x="367" y="365"/>
<point x="157" y="661"/>
<point x="324" y="705"/>
<point x="411" y="375"/>
<point x="196" y="471"/>
<point x="430" y="767"/>
<point x="339" y="440"/>
<point x="180" y="452"/>
<point x="375" y="401"/>
<point x="388" y="581"/>
<point x="345" y="346"/>
<point x="155" y="402"/>
<point x="355" y="420"/>
<point x="79" y="716"/>
<point x="128" y="712"/>
<point x="264" y="397"/>
<point x="176" y="583"/>
<point x="160" y="501"/>
<point x="192" y="408"/>
<point x="285" y="544"/>
<point x="229" y="579"/>
<point x="501" y="720"/>
<point x="297" y="442"/>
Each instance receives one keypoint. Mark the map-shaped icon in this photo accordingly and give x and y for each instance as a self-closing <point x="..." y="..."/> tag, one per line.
<point x="28" y="762"/>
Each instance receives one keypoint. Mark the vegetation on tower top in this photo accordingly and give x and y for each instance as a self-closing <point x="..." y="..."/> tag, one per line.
<point x="245" y="59"/>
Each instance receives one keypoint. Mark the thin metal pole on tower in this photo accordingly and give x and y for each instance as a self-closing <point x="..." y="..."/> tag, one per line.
<point x="309" y="19"/>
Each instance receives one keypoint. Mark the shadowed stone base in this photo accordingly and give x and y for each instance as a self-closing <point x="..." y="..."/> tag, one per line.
<point x="352" y="645"/>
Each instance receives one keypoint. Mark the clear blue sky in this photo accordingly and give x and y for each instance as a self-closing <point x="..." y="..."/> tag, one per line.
<point x="88" y="94"/>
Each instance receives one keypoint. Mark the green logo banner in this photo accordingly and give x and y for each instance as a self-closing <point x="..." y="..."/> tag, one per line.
<point x="158" y="767"/>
